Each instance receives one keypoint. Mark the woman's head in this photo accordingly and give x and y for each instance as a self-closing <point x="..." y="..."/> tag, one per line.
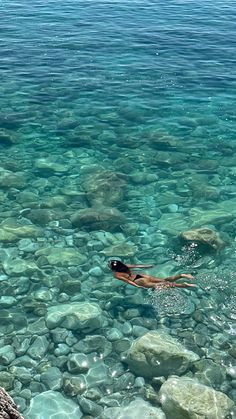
<point x="118" y="266"/>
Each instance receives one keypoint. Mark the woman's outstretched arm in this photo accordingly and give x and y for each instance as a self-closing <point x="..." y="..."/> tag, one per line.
<point x="139" y="266"/>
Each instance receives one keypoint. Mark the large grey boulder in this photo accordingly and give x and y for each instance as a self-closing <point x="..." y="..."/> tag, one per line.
<point x="158" y="354"/>
<point x="75" y="316"/>
<point x="185" y="398"/>
<point x="52" y="405"/>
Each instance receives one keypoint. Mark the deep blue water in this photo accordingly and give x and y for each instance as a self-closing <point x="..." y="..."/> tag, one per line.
<point x="176" y="55"/>
<point x="136" y="103"/>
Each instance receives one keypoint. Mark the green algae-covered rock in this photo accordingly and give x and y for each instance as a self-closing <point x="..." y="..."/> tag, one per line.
<point x="7" y="236"/>
<point x="12" y="230"/>
<point x="6" y="380"/>
<point x="158" y="354"/>
<point x="185" y="398"/>
<point x="52" y="404"/>
<point x="75" y="316"/>
<point x="19" y="267"/>
<point x="61" y="256"/>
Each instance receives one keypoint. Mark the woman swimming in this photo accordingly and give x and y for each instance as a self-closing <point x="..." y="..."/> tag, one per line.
<point x="123" y="273"/>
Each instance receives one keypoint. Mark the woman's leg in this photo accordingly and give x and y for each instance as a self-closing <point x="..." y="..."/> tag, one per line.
<point x="178" y="276"/>
<point x="167" y="284"/>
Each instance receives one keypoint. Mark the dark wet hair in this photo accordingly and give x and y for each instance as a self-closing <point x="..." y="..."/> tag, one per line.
<point x="118" y="266"/>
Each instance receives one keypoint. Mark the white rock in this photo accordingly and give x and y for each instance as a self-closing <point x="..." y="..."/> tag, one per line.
<point x="74" y="316"/>
<point x="158" y="354"/>
<point x="183" y="397"/>
<point x="51" y="404"/>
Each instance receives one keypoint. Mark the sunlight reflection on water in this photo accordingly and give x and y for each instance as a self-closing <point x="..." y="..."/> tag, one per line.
<point x="170" y="302"/>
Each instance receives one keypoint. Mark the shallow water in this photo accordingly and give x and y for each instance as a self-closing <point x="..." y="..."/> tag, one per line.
<point x="122" y="105"/>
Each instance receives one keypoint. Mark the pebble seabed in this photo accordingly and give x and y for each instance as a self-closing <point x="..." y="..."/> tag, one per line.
<point x="66" y="323"/>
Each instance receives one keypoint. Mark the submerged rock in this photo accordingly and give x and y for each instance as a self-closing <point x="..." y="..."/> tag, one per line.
<point x="51" y="404"/>
<point x="75" y="316"/>
<point x="205" y="191"/>
<point x="60" y="256"/>
<point x="210" y="373"/>
<point x="104" y="188"/>
<point x="98" y="375"/>
<point x="205" y="236"/>
<point x="57" y="201"/>
<point x="161" y="140"/>
<point x="19" y="267"/>
<point x="183" y="397"/>
<point x="12" y="230"/>
<point x="7" y="380"/>
<point x="172" y="223"/>
<point x="137" y="409"/>
<point x="7" y="236"/>
<point x="228" y="205"/>
<point x="94" y="343"/>
<point x="7" y="355"/>
<point x="52" y="378"/>
<point x="218" y="216"/>
<point x="7" y="138"/>
<point x="89" y="407"/>
<point x="78" y="363"/>
<point x="46" y="166"/>
<point x="41" y="216"/>
<point x="10" y="179"/>
<point x="102" y="218"/>
<point x="158" y="354"/>
<point x="168" y="159"/>
<point x="38" y="348"/>
<point x="120" y="249"/>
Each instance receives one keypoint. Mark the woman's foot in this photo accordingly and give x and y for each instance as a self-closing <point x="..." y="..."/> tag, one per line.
<point x="187" y="276"/>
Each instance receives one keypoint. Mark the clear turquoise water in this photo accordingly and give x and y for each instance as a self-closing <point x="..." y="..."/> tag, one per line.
<point x="143" y="89"/>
